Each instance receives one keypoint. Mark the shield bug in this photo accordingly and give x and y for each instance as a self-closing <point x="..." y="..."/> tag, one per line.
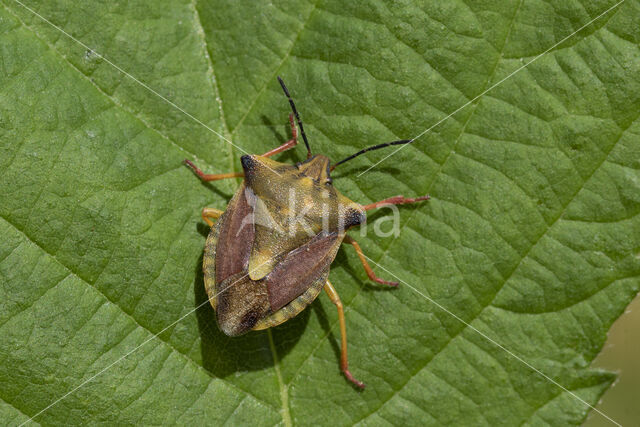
<point x="268" y="255"/>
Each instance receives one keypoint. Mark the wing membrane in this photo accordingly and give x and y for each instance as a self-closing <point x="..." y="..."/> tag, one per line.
<point x="236" y="236"/>
<point x="300" y="268"/>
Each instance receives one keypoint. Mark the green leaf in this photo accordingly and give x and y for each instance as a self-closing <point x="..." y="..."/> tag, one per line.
<point x="532" y="236"/>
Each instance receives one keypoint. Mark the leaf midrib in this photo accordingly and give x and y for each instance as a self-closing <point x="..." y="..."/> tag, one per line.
<point x="147" y="125"/>
<point x="115" y="104"/>
<point x="547" y="228"/>
<point x="284" y="388"/>
<point x="213" y="81"/>
<point x="385" y="252"/>
<point x="112" y="98"/>
<point x="277" y="69"/>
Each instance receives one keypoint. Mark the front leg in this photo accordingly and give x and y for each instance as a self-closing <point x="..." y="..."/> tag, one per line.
<point x="212" y="176"/>
<point x="287" y="145"/>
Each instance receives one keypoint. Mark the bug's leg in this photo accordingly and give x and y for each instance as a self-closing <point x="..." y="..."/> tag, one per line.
<point x="289" y="144"/>
<point x="396" y="200"/>
<point x="365" y="264"/>
<point x="208" y="213"/>
<point x="212" y="176"/>
<point x="344" y="363"/>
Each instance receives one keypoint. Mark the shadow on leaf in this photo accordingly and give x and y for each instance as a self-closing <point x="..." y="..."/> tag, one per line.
<point x="289" y="156"/>
<point x="222" y="355"/>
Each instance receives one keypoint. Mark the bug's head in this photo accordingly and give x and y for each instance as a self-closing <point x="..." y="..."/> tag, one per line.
<point x="317" y="168"/>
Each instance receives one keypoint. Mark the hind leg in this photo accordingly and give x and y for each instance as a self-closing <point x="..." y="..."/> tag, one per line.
<point x="344" y="363"/>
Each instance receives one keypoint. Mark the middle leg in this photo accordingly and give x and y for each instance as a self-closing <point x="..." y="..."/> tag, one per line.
<point x="365" y="264"/>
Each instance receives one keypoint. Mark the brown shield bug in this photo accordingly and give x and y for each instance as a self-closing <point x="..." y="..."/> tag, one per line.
<point x="269" y="254"/>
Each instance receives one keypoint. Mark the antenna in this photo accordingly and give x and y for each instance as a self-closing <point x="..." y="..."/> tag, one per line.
<point x="373" y="147"/>
<point x="295" y="112"/>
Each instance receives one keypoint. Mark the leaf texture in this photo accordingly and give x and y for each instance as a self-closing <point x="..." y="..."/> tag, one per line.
<point x="532" y="236"/>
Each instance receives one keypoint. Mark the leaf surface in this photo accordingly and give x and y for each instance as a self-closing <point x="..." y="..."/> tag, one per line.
<point x="532" y="236"/>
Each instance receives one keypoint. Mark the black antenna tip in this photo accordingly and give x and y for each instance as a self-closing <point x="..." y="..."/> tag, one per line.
<point x="295" y="113"/>
<point x="286" y="91"/>
<point x="374" y="147"/>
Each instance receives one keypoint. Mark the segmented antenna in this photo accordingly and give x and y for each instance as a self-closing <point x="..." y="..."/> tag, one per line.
<point x="295" y="112"/>
<point x="373" y="147"/>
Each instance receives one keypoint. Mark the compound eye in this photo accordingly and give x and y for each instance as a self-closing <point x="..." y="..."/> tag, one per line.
<point x="354" y="217"/>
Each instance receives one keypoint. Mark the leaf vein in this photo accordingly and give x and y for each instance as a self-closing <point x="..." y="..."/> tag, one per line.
<point x="134" y="320"/>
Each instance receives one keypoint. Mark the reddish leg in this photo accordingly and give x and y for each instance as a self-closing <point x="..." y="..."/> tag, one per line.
<point x="396" y="200"/>
<point x="289" y="144"/>
<point x="212" y="176"/>
<point x="365" y="264"/>
<point x="344" y="363"/>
